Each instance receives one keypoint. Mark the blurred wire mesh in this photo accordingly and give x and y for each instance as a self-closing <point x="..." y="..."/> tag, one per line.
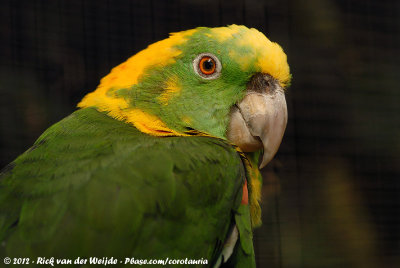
<point x="332" y="195"/>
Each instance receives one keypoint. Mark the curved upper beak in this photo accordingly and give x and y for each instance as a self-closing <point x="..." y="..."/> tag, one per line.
<point x="259" y="120"/>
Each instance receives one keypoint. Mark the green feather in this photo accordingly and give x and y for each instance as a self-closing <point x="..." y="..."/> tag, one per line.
<point x="95" y="186"/>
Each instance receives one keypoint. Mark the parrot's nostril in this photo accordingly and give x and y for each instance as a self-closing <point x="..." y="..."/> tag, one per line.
<point x="262" y="83"/>
<point x="269" y="83"/>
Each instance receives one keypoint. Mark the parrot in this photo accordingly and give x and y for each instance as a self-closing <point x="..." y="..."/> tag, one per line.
<point x="160" y="161"/>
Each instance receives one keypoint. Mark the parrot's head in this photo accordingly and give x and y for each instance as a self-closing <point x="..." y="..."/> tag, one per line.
<point x="226" y="82"/>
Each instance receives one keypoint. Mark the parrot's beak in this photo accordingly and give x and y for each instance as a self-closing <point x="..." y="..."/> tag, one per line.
<point x="259" y="120"/>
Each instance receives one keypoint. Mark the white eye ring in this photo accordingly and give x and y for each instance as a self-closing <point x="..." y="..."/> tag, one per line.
<point x="211" y="73"/>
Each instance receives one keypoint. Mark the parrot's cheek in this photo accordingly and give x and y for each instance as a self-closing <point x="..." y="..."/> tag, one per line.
<point x="259" y="122"/>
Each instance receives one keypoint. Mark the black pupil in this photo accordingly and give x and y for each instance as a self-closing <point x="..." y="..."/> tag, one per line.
<point x="208" y="64"/>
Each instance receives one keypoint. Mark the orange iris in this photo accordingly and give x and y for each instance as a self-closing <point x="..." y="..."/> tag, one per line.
<point x="207" y="65"/>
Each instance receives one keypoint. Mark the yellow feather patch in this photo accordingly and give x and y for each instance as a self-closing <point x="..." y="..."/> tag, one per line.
<point x="128" y="74"/>
<point x="255" y="199"/>
<point x="150" y="124"/>
<point x="271" y="58"/>
<point x="224" y="33"/>
<point x="255" y="183"/>
<point x="171" y="89"/>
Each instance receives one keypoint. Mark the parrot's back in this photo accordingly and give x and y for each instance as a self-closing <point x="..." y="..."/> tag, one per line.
<point x="94" y="186"/>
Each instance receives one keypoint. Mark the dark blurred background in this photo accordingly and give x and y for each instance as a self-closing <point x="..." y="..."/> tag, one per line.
<point x="332" y="195"/>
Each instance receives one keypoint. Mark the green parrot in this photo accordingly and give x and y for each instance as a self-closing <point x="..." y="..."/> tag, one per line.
<point x="160" y="162"/>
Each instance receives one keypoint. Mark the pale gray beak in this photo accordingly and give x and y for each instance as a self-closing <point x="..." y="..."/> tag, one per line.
<point x="259" y="120"/>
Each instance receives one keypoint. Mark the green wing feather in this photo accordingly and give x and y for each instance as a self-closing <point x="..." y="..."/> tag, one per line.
<point x="94" y="186"/>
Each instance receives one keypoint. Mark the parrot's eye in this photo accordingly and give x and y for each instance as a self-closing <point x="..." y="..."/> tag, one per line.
<point x="207" y="66"/>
